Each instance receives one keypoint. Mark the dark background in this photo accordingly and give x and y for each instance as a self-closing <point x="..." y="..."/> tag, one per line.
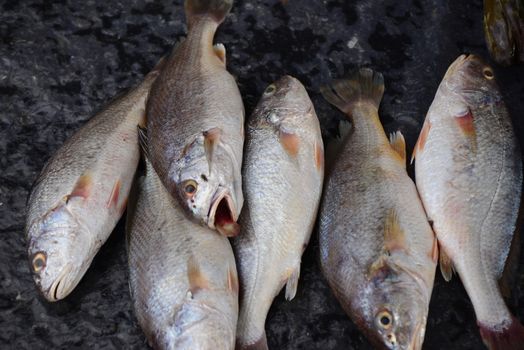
<point x="61" y="61"/>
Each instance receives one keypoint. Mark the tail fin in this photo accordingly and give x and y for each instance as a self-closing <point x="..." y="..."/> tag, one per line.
<point x="260" y="344"/>
<point x="365" y="85"/>
<point x="216" y="9"/>
<point x="511" y="337"/>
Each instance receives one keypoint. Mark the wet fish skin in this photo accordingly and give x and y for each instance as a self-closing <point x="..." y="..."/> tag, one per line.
<point x="469" y="175"/>
<point x="504" y="30"/>
<point x="377" y="250"/>
<point x="81" y="193"/>
<point x="196" y="123"/>
<point x="283" y="173"/>
<point x="182" y="276"/>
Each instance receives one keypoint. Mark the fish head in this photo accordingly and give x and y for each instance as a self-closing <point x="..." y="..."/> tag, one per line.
<point x="207" y="185"/>
<point x="469" y="83"/>
<point x="395" y="316"/>
<point x="286" y="96"/>
<point x="59" y="251"/>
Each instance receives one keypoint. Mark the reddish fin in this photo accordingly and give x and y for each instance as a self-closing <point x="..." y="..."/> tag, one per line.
<point x="260" y="344"/>
<point x="422" y="138"/>
<point x="211" y="139"/>
<point x="446" y="265"/>
<point x="115" y="193"/>
<point x="397" y="142"/>
<point x="290" y="142"/>
<point x="394" y="237"/>
<point x="508" y="338"/>
<point x="465" y="122"/>
<point x="434" y="251"/>
<point x="232" y="279"/>
<point x="197" y="280"/>
<point x="319" y="156"/>
<point x="82" y="187"/>
<point x="220" y="51"/>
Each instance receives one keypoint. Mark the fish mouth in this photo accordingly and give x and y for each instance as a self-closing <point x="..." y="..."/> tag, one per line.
<point x="222" y="215"/>
<point x="456" y="65"/>
<point x="59" y="289"/>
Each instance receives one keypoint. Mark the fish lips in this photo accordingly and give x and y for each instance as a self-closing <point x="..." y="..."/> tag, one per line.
<point x="223" y="215"/>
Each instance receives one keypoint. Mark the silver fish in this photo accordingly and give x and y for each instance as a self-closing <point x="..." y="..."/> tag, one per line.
<point x="377" y="250"/>
<point x="182" y="275"/>
<point x="196" y="123"/>
<point x="283" y="172"/>
<point x="82" y="192"/>
<point x="469" y="174"/>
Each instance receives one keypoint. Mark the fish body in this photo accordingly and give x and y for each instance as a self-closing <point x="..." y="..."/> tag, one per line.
<point x="504" y="30"/>
<point x="182" y="275"/>
<point x="283" y="173"/>
<point x="196" y="123"/>
<point x="82" y="192"/>
<point x="377" y="250"/>
<point x="469" y="174"/>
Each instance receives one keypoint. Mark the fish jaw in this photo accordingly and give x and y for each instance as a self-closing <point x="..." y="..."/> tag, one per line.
<point x="223" y="215"/>
<point x="62" y="241"/>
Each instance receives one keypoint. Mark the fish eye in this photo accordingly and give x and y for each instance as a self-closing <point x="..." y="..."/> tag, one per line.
<point x="39" y="261"/>
<point x="384" y="319"/>
<point x="488" y="73"/>
<point x="190" y="187"/>
<point x="270" y="89"/>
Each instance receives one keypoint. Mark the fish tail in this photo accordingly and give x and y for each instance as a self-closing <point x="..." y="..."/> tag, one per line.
<point x="364" y="86"/>
<point x="509" y="337"/>
<point x="215" y="9"/>
<point x="260" y="344"/>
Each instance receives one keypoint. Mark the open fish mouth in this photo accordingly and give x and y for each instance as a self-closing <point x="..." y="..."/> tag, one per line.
<point x="59" y="289"/>
<point x="223" y="216"/>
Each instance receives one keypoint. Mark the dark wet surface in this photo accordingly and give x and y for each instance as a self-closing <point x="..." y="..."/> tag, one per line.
<point x="61" y="61"/>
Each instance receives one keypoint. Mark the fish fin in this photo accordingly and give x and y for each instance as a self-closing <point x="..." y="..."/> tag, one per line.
<point x="82" y="187"/>
<point x="115" y="193"/>
<point x="394" y="236"/>
<point x="319" y="155"/>
<point x="143" y="140"/>
<point x="398" y="144"/>
<point x="466" y="124"/>
<point x="197" y="280"/>
<point x="232" y="279"/>
<point x="334" y="147"/>
<point x="211" y="139"/>
<point x="502" y="338"/>
<point x="290" y="142"/>
<point x="292" y="283"/>
<point x="260" y="344"/>
<point x="434" y="251"/>
<point x="365" y="85"/>
<point x="446" y="265"/>
<point x="215" y="9"/>
<point x="220" y="51"/>
<point x="422" y="137"/>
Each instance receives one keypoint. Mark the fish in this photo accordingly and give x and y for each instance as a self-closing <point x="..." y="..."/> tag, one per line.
<point x="504" y="30"/>
<point x="182" y="275"/>
<point x="468" y="171"/>
<point x="283" y="174"/>
<point x="82" y="192"/>
<point x="378" y="252"/>
<point x="195" y="126"/>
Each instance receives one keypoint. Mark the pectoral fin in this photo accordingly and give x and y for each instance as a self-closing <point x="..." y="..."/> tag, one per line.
<point x="394" y="236"/>
<point x="197" y="280"/>
<point x="292" y="283"/>
<point x="211" y="140"/>
<point x="82" y="187"/>
<point x="422" y="138"/>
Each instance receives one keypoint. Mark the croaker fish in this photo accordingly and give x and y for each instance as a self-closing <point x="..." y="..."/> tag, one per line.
<point x="196" y="123"/>
<point x="504" y="30"/>
<point x="182" y="275"/>
<point x="82" y="192"/>
<point x="469" y="175"/>
<point x="377" y="250"/>
<point x="283" y="173"/>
